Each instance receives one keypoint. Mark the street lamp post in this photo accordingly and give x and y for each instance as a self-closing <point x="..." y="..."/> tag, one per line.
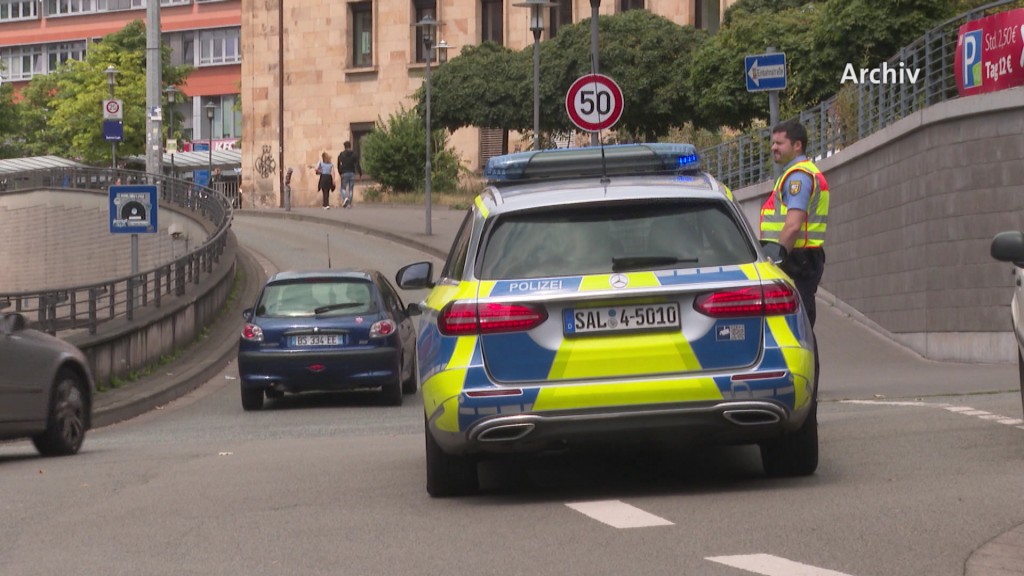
<point x="171" y="93"/>
<point x="111" y="73"/>
<point x="537" y="27"/>
<point x="428" y="25"/>
<point x="210" y="109"/>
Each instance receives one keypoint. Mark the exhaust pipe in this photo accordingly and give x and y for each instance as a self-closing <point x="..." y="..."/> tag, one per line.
<point x="505" y="433"/>
<point x="751" y="417"/>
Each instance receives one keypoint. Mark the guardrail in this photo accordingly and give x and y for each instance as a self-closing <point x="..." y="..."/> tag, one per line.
<point x="88" y="305"/>
<point x="857" y="111"/>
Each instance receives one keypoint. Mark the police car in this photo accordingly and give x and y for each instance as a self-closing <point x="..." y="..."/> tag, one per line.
<point x="603" y="295"/>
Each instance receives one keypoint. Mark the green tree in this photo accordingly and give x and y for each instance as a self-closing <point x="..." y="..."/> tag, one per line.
<point x="492" y="86"/>
<point x="8" y="122"/>
<point x="62" y="113"/>
<point x="395" y="152"/>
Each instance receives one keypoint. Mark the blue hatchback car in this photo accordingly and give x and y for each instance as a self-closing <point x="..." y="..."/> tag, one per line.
<point x="325" y="330"/>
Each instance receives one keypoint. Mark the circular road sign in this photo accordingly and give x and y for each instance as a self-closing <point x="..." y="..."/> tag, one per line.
<point x="113" y="107"/>
<point x="594" y="102"/>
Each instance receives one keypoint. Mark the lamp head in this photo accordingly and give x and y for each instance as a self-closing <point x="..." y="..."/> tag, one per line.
<point x="210" y="108"/>
<point x="428" y="26"/>
<point x="111" y="73"/>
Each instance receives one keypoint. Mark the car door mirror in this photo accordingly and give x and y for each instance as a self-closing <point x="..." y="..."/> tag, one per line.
<point x="247" y="314"/>
<point x="413" y="309"/>
<point x="774" y="251"/>
<point x="13" y="322"/>
<point x="1009" y="247"/>
<point x="415" y="276"/>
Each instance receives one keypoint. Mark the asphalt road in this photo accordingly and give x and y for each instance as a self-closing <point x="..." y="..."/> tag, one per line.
<point x="921" y="463"/>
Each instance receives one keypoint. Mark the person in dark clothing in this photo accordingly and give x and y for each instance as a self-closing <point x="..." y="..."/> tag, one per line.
<point x="348" y="167"/>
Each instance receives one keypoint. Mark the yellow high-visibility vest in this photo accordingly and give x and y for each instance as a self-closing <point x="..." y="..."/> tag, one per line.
<point x="773" y="211"/>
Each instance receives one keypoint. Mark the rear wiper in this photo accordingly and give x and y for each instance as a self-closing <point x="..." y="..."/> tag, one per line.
<point x="323" y="309"/>
<point x="624" y="263"/>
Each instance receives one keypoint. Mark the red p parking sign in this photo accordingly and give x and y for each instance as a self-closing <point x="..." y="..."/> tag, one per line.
<point x="594" y="102"/>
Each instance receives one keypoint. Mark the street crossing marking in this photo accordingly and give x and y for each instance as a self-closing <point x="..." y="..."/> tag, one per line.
<point x="769" y="565"/>
<point x="618" y="514"/>
<point x="962" y="410"/>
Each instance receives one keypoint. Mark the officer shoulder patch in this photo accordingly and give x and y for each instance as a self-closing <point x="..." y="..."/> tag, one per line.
<point x="794" y="187"/>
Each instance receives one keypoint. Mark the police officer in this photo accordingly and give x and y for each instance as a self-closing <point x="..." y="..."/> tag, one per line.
<point x="796" y="213"/>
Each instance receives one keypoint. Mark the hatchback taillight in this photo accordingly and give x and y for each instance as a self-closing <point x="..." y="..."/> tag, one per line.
<point x="252" y="333"/>
<point x="768" y="300"/>
<point x="382" y="329"/>
<point x="464" y="318"/>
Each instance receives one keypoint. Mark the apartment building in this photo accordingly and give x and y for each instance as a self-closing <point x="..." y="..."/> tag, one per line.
<point x="36" y="36"/>
<point x="345" y="64"/>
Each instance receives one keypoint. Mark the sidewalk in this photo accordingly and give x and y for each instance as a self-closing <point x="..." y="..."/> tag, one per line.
<point x="1001" y="556"/>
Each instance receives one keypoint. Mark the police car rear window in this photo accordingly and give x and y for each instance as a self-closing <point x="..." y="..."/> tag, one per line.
<point x="601" y="239"/>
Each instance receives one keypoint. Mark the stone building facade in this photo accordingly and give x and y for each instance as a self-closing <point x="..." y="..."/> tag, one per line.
<point x="347" y="64"/>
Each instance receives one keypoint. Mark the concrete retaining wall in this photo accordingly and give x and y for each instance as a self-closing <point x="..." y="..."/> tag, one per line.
<point x="914" y="209"/>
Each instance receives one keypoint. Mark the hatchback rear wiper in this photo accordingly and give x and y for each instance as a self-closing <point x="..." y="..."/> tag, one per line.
<point x="323" y="309"/>
<point x="624" y="263"/>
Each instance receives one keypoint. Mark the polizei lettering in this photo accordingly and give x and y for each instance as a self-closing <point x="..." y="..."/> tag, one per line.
<point x="535" y="285"/>
<point x="885" y="74"/>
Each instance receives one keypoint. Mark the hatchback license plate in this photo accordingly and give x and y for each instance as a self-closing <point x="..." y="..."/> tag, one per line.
<point x="317" y="340"/>
<point x="620" y="318"/>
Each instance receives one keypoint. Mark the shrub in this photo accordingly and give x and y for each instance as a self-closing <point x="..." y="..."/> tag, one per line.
<point x="394" y="154"/>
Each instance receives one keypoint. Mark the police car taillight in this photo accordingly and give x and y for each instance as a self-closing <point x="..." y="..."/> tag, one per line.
<point x="465" y="318"/>
<point x="768" y="300"/>
<point x="252" y="333"/>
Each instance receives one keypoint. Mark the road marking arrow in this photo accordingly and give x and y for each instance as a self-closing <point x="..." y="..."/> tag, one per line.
<point x="769" y="565"/>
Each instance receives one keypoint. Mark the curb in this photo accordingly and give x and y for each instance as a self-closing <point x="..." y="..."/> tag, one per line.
<point x="396" y="238"/>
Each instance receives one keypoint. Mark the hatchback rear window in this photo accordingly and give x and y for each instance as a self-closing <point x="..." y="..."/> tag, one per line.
<point x="607" y="238"/>
<point x="312" y="298"/>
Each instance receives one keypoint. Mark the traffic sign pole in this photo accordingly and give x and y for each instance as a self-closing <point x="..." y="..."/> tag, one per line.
<point x="773" y="115"/>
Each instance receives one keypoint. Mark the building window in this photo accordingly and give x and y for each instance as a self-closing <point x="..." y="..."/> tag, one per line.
<point x="64" y="7"/>
<point x="115" y="5"/>
<point x="630" y="5"/>
<point x="227" y="122"/>
<point x="360" y="131"/>
<point x="491" y="22"/>
<point x="17" y="10"/>
<point x="422" y="9"/>
<point x="362" y="34"/>
<point x="175" y="2"/>
<point x="182" y="45"/>
<point x="58" y="54"/>
<point x="493" y="142"/>
<point x="22" y="62"/>
<point x="706" y="15"/>
<point x="220" y="46"/>
<point x="559" y="16"/>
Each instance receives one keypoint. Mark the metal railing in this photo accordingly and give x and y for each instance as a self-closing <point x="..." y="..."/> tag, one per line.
<point x="88" y="305"/>
<point x="857" y="111"/>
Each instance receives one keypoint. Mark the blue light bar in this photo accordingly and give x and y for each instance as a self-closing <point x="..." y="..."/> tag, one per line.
<point x="620" y="159"/>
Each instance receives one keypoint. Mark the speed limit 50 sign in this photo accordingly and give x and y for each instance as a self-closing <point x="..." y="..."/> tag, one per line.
<point x="594" y="102"/>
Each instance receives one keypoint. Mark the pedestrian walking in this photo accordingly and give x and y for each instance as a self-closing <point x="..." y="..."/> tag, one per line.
<point x="796" y="213"/>
<point x="348" y="167"/>
<point x="326" y="184"/>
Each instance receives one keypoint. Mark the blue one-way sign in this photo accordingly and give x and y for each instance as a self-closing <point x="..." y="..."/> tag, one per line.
<point x="765" y="71"/>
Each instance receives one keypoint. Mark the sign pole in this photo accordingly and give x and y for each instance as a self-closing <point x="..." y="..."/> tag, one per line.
<point x="773" y="116"/>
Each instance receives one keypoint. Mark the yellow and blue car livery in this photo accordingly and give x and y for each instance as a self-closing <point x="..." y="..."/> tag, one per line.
<point x="597" y="298"/>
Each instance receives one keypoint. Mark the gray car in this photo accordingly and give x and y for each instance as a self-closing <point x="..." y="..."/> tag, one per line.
<point x="1009" y="247"/>
<point x="46" y="388"/>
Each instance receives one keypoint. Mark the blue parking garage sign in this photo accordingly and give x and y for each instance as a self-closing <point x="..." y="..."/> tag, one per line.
<point x="133" y="209"/>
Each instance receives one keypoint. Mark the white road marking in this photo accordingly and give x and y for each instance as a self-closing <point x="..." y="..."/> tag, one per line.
<point x="769" y="565"/>
<point x="618" y="514"/>
<point x="962" y="410"/>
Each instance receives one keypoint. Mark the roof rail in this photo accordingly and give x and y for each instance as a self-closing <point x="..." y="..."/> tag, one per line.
<point x="620" y="159"/>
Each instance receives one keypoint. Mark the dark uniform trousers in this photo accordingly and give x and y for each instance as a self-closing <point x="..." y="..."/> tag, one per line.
<point x="805" y="266"/>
